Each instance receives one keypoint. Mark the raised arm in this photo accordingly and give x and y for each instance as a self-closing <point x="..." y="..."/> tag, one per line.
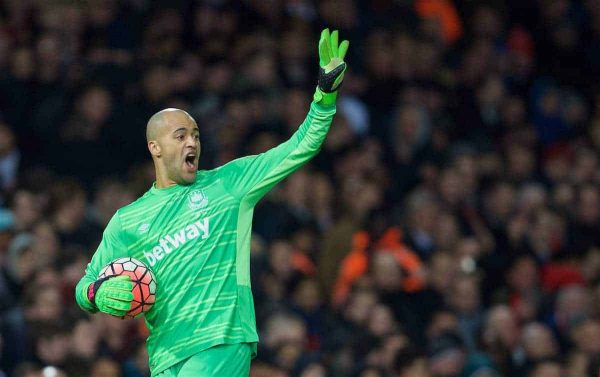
<point x="252" y="177"/>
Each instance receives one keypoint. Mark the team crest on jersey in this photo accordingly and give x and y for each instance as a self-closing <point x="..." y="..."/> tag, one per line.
<point x="197" y="199"/>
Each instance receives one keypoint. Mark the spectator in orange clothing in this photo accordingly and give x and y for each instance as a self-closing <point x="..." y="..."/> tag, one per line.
<point x="356" y="264"/>
<point x="444" y="12"/>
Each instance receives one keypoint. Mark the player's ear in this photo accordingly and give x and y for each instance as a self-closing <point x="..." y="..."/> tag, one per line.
<point x="154" y="148"/>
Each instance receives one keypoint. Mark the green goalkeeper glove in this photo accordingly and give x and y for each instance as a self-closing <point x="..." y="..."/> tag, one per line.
<point x="333" y="67"/>
<point x="112" y="294"/>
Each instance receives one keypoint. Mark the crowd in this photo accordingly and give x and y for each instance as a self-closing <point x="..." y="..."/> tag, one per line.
<point x="450" y="226"/>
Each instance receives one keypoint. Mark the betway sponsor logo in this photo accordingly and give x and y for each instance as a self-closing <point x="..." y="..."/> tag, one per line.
<point x="169" y="243"/>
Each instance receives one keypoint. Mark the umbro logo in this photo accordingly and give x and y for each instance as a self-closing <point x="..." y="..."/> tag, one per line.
<point x="143" y="228"/>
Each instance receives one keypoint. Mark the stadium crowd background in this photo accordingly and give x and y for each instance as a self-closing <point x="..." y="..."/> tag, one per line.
<point x="449" y="227"/>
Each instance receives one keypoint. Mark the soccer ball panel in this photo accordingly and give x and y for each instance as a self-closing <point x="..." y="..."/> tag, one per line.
<point x="137" y="310"/>
<point x="147" y="278"/>
<point x="129" y="266"/>
<point x="140" y="271"/>
<point x="117" y="269"/>
<point x="145" y="290"/>
<point x="104" y="271"/>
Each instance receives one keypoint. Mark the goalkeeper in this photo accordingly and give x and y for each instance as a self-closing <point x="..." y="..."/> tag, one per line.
<point x="192" y="228"/>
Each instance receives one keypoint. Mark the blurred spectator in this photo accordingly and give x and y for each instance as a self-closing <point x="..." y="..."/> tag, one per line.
<point x="27" y="370"/>
<point x="410" y="363"/>
<point x="9" y="159"/>
<point x="547" y="369"/>
<point x="105" y="368"/>
<point x="500" y="338"/>
<point x="51" y="345"/>
<point x="111" y="194"/>
<point x="464" y="298"/>
<point x="86" y="133"/>
<point x="585" y="337"/>
<point x="27" y="208"/>
<point x="448" y="227"/>
<point x="85" y="340"/>
<point x="448" y="357"/>
<point x="538" y="343"/>
<point x="572" y="305"/>
<point x="137" y="365"/>
<point x="525" y="293"/>
<point x="68" y="207"/>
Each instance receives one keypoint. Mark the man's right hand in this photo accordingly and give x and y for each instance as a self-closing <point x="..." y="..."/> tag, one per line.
<point x="332" y="67"/>
<point x="112" y="294"/>
<point x="331" y="61"/>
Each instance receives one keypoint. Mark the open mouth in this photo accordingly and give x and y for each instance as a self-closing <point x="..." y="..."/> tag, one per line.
<point x="190" y="160"/>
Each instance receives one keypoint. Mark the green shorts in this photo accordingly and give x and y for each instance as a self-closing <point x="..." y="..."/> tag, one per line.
<point x="231" y="360"/>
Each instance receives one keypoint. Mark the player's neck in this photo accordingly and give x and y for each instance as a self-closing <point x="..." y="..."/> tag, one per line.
<point x="163" y="181"/>
<point x="163" y="185"/>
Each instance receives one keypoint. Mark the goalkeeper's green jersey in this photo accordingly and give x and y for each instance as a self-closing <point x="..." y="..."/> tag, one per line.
<point x="196" y="240"/>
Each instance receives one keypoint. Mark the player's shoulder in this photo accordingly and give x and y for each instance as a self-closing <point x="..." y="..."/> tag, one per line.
<point x="136" y="207"/>
<point x="232" y="166"/>
<point x="205" y="176"/>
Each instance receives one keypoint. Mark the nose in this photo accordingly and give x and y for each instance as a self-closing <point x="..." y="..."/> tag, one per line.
<point x="190" y="141"/>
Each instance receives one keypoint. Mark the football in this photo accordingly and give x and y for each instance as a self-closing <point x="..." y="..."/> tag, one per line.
<point x="144" y="283"/>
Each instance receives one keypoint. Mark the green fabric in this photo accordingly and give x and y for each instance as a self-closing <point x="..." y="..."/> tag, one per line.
<point x="114" y="296"/>
<point x="231" y="360"/>
<point x="196" y="240"/>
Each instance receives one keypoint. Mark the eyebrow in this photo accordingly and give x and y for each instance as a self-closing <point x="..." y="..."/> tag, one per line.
<point x="180" y="129"/>
<point x="185" y="129"/>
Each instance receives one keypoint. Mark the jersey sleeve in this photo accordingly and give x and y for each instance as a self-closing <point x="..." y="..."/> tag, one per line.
<point x="111" y="247"/>
<point x="252" y="177"/>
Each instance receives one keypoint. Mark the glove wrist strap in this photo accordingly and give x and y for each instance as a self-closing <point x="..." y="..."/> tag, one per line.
<point x="93" y="289"/>
<point x="91" y="295"/>
<point x="323" y="98"/>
